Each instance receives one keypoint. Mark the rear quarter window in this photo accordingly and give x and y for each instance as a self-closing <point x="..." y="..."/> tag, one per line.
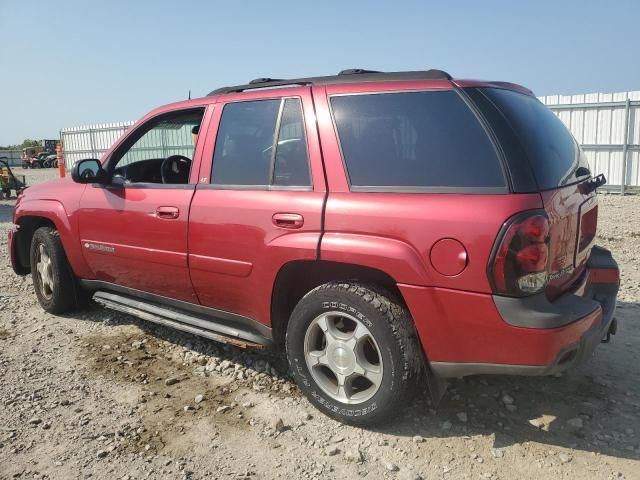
<point x="415" y="141"/>
<point x="553" y="153"/>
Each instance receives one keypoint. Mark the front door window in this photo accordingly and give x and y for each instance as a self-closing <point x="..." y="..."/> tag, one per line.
<point x="161" y="152"/>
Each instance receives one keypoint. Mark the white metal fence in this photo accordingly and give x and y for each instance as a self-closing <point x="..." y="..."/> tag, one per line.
<point x="90" y="141"/>
<point x="607" y="125"/>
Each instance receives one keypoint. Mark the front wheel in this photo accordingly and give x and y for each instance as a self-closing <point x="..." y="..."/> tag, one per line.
<point x="53" y="279"/>
<point x="353" y="351"/>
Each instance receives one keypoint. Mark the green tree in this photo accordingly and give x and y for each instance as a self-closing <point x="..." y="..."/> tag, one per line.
<point x="29" y="143"/>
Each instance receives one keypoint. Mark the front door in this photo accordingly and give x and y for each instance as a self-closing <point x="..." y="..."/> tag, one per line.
<point x="134" y="231"/>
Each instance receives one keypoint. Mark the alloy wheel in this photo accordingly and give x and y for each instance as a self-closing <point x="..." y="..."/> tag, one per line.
<point x="343" y="357"/>
<point x="44" y="269"/>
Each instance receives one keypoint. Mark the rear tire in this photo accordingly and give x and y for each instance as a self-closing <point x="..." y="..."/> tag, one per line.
<point x="354" y="353"/>
<point x="53" y="280"/>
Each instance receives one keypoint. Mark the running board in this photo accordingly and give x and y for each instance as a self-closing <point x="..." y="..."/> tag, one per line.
<point x="179" y="320"/>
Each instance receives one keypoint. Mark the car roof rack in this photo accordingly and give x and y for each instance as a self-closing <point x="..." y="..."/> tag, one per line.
<point x="356" y="71"/>
<point x="352" y="75"/>
<point x="256" y="81"/>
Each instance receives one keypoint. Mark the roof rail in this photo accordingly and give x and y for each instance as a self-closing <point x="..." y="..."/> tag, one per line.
<point x="353" y="75"/>
<point x="258" y="83"/>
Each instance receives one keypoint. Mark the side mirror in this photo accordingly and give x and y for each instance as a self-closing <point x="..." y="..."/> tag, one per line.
<point x="89" y="170"/>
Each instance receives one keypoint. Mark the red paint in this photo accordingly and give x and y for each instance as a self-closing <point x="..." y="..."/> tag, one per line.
<point x="601" y="275"/>
<point x="448" y="257"/>
<point x="459" y="326"/>
<point x="224" y="248"/>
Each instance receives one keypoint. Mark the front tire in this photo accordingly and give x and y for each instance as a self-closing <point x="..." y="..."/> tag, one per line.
<point x="353" y="352"/>
<point x="53" y="279"/>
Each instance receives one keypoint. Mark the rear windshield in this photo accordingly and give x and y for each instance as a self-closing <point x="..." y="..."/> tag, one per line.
<point x="415" y="141"/>
<point x="552" y="151"/>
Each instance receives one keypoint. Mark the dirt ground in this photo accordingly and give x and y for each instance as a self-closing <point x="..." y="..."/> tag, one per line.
<point x="99" y="394"/>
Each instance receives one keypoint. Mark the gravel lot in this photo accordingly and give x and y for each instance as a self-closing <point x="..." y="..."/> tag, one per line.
<point x="103" y="395"/>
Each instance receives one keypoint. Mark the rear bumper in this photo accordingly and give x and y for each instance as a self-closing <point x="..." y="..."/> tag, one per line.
<point x="468" y="334"/>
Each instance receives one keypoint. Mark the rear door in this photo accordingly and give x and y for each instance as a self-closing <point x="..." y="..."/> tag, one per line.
<point x="258" y="203"/>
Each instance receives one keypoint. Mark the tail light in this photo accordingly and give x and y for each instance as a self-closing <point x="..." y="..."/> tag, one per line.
<point x="520" y="258"/>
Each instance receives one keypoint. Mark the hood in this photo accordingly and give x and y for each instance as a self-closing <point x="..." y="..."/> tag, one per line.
<point x="49" y="190"/>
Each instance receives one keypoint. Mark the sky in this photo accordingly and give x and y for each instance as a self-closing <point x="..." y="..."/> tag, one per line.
<point x="70" y="63"/>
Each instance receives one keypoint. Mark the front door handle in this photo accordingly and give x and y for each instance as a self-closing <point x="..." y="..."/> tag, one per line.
<point x="288" y="220"/>
<point x="168" y="213"/>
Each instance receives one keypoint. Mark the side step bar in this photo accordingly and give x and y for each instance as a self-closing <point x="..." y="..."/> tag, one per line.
<point x="184" y="321"/>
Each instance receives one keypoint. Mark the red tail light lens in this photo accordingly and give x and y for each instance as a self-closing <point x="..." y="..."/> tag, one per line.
<point x="519" y="263"/>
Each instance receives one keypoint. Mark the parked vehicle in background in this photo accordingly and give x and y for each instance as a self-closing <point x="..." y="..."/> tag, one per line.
<point x="9" y="181"/>
<point x="381" y="228"/>
<point x="30" y="156"/>
<point x="40" y="156"/>
<point x="51" y="160"/>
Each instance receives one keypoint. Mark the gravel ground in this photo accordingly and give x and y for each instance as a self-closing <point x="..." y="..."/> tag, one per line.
<point x="103" y="395"/>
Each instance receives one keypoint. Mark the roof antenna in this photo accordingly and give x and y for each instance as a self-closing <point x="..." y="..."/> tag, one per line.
<point x="189" y="94"/>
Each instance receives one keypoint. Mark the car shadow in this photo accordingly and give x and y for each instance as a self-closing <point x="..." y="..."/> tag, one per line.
<point x="594" y="408"/>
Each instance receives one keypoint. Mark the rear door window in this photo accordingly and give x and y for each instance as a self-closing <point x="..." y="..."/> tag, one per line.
<point x="415" y="141"/>
<point x="242" y="154"/>
<point x="262" y="143"/>
<point x="552" y="151"/>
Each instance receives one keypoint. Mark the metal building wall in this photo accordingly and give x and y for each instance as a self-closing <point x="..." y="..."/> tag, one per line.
<point x="14" y="157"/>
<point x="607" y="125"/>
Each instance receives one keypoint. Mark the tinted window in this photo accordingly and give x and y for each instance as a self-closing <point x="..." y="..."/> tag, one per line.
<point x="245" y="153"/>
<point x="414" y="139"/>
<point x="242" y="154"/>
<point x="291" y="162"/>
<point x="551" y="149"/>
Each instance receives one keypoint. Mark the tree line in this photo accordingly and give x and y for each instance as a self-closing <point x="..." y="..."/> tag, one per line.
<point x="27" y="142"/>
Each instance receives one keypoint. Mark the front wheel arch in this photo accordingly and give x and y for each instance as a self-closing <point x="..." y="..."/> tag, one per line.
<point x="27" y="226"/>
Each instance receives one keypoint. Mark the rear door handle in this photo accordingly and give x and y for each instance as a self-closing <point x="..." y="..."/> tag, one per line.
<point x="288" y="220"/>
<point x="168" y="213"/>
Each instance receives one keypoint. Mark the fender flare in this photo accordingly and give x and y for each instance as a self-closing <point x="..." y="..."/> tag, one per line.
<point x="396" y="258"/>
<point x="54" y="211"/>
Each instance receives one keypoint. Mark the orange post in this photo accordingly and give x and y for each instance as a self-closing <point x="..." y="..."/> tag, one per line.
<point x="60" y="159"/>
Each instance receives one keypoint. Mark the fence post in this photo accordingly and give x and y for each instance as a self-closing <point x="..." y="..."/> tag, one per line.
<point x="92" y="143"/>
<point x="625" y="146"/>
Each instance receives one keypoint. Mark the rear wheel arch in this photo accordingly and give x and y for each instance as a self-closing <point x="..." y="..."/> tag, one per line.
<point x="297" y="278"/>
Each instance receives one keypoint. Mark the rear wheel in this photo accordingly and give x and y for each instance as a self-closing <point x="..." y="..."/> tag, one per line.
<point x="53" y="279"/>
<point x="353" y="352"/>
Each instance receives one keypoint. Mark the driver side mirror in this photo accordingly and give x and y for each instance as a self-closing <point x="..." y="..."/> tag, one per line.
<point x="89" y="170"/>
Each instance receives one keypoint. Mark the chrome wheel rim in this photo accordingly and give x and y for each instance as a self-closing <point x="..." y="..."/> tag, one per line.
<point x="43" y="268"/>
<point x="343" y="357"/>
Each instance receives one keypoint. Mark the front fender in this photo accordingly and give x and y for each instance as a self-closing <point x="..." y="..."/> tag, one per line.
<point x="53" y="211"/>
<point x="394" y="257"/>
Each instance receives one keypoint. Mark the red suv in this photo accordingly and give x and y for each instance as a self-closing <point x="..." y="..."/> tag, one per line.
<point x="379" y="227"/>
